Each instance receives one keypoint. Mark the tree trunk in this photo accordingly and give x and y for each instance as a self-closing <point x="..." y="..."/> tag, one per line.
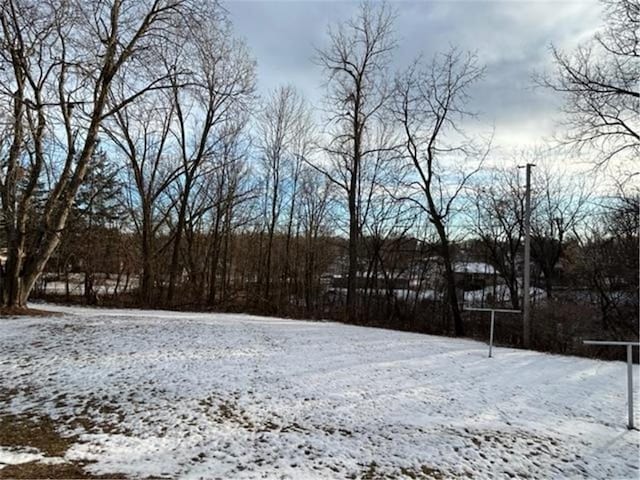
<point x="450" y="278"/>
<point x="267" y="287"/>
<point x="270" y="233"/>
<point x="513" y="291"/>
<point x="146" y="285"/>
<point x="175" y="256"/>
<point x="352" y="281"/>
<point x="89" y="294"/>
<point x="13" y="295"/>
<point x="227" y="253"/>
<point x="215" y="258"/>
<point x="353" y="266"/>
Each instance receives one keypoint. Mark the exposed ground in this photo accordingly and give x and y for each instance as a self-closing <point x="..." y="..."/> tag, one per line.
<point x="6" y="312"/>
<point x="140" y="394"/>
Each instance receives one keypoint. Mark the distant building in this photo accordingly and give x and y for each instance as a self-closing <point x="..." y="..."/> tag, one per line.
<point x="473" y="272"/>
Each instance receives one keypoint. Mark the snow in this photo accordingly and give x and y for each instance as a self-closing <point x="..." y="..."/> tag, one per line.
<point x="473" y="267"/>
<point x="102" y="286"/>
<point x="235" y="396"/>
<point x="501" y="292"/>
<point x="17" y="456"/>
<point x="423" y="294"/>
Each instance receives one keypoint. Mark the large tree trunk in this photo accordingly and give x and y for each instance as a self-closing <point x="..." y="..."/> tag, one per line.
<point x="352" y="274"/>
<point x="450" y="278"/>
<point x="215" y="258"/>
<point x="227" y="255"/>
<point x="89" y="294"/>
<point x="12" y="295"/>
<point x="24" y="268"/>
<point x="548" y="281"/>
<point x="513" y="291"/>
<point x="352" y="280"/>
<point x="267" y="287"/>
<point x="146" y="285"/>
<point x="270" y="233"/>
<point x="175" y="256"/>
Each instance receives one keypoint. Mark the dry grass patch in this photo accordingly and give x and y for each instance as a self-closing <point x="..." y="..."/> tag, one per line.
<point x="423" y="472"/>
<point x="36" y="432"/>
<point x="26" y="312"/>
<point x="38" y="470"/>
<point x="25" y="431"/>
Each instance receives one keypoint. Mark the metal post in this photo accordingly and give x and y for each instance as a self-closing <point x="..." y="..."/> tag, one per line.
<point x="493" y="318"/>
<point x="526" y="300"/>
<point x="630" y="384"/>
<point x="629" y="346"/>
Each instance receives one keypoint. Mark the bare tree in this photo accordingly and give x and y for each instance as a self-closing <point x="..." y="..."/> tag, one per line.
<point x="355" y="62"/>
<point x="59" y="61"/>
<point x="217" y="89"/>
<point x="559" y="204"/>
<point x="498" y="222"/>
<point x="140" y="131"/>
<point x="316" y="195"/>
<point x="608" y="262"/>
<point x="386" y="236"/>
<point x="283" y="124"/>
<point x="305" y="139"/>
<point x="430" y="104"/>
<point x="230" y="189"/>
<point x="599" y="82"/>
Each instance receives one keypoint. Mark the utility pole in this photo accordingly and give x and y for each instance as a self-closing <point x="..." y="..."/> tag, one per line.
<point x="526" y="299"/>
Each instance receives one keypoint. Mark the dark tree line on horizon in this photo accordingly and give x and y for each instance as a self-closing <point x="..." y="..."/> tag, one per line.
<point x="134" y="149"/>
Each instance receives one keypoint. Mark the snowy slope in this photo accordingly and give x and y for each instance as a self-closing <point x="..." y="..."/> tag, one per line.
<point x="236" y="396"/>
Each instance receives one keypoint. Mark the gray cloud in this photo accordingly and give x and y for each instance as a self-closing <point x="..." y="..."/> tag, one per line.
<point x="511" y="38"/>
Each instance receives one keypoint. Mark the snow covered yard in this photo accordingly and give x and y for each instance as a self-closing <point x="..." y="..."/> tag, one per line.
<point x="162" y="394"/>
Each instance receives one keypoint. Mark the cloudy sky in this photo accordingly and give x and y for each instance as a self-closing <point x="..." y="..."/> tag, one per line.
<point x="512" y="38"/>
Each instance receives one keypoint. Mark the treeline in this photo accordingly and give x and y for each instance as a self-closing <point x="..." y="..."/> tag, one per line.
<point x="136" y="152"/>
<point x="584" y="258"/>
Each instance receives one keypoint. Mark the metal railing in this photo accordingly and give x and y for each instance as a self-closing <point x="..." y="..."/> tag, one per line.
<point x="493" y="320"/>
<point x="629" y="346"/>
